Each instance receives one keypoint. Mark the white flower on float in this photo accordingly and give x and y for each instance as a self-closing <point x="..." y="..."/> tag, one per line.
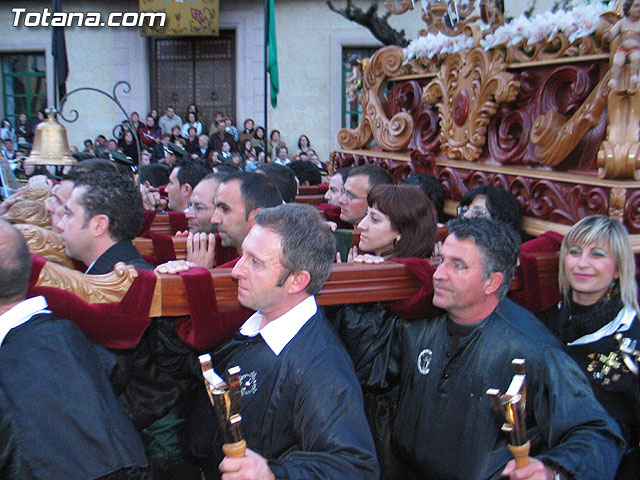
<point x="579" y="22"/>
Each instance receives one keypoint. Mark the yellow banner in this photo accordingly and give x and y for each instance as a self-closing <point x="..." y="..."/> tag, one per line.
<point x="183" y="17"/>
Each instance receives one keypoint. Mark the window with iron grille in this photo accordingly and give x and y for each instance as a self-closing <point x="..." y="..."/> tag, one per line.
<point x="352" y="83"/>
<point x="24" y="85"/>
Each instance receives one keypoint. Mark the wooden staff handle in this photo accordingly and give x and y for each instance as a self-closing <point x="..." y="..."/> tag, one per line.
<point x="521" y="454"/>
<point x="235" y="450"/>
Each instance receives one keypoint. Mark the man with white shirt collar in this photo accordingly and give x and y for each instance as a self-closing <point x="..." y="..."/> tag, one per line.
<point x="301" y="407"/>
<point x="59" y="417"/>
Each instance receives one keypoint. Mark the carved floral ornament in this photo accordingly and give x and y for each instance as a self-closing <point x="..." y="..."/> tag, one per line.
<point x="44" y="242"/>
<point x="466" y="93"/>
<point x="108" y="288"/>
<point x="28" y="211"/>
<point x="390" y="134"/>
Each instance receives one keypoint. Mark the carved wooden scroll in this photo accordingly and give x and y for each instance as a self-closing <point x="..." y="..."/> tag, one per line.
<point x="110" y="287"/>
<point x="466" y="92"/>
<point x="617" y="199"/>
<point x="404" y="6"/>
<point x="434" y="17"/>
<point x="619" y="154"/>
<point x="390" y="134"/>
<point x="34" y="193"/>
<point x="45" y="243"/>
<point x="554" y="137"/>
<point x="28" y="211"/>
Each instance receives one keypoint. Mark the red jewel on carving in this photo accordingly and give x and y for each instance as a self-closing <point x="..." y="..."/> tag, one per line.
<point x="461" y="108"/>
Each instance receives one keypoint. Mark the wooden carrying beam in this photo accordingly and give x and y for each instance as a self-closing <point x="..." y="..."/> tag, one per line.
<point x="348" y="283"/>
<point x="146" y="248"/>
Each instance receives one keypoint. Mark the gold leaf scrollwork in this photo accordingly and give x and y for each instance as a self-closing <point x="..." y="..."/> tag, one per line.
<point x="36" y="194"/>
<point x="390" y="134"/>
<point x="617" y="200"/>
<point x="554" y="137"/>
<point x="466" y="93"/>
<point x="28" y="211"/>
<point x="405" y="5"/>
<point x="619" y="154"/>
<point x="108" y="288"/>
<point x="44" y="242"/>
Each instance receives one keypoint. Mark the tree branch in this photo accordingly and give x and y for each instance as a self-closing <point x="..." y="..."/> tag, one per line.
<point x="377" y="25"/>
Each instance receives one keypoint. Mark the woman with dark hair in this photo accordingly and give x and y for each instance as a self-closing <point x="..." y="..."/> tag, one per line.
<point x="193" y="108"/>
<point x="191" y="144"/>
<point x="136" y="124"/>
<point x="258" y="140"/>
<point x="599" y="300"/>
<point x="176" y="134"/>
<point x="401" y="225"/>
<point x="129" y="147"/>
<point x="154" y="114"/>
<point x="494" y="202"/>
<point x="400" y="222"/>
<point x="247" y="149"/>
<point x="191" y="122"/>
<point x="304" y="145"/>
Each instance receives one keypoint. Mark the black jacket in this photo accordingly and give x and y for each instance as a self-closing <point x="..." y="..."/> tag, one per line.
<point x="445" y="427"/>
<point x="60" y="419"/>
<point x="615" y="387"/>
<point x="302" y="409"/>
<point x="122" y="251"/>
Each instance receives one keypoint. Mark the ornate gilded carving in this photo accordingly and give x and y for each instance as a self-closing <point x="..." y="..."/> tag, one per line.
<point x="434" y="17"/>
<point x="36" y="194"/>
<point x="560" y="202"/>
<point x="563" y="203"/>
<point x="554" y="137"/>
<point x="107" y="288"/>
<point x="407" y="96"/>
<point x="492" y="13"/>
<point x="619" y="154"/>
<point x="44" y="242"/>
<point x="390" y="134"/>
<point x="404" y="6"/>
<point x="466" y="93"/>
<point x="545" y="49"/>
<point x="617" y="199"/>
<point x="28" y="211"/>
<point x="632" y="212"/>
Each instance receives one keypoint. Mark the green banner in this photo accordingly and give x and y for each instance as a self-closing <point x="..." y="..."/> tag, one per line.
<point x="272" y="66"/>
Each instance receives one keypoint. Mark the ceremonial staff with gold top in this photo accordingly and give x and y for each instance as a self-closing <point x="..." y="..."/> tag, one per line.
<point x="226" y="399"/>
<point x="512" y="406"/>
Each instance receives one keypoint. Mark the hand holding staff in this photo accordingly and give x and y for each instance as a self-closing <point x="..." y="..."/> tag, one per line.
<point x="511" y="407"/>
<point x="225" y="398"/>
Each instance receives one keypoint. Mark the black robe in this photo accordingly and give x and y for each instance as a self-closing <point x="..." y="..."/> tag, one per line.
<point x="302" y="410"/>
<point x="57" y="407"/>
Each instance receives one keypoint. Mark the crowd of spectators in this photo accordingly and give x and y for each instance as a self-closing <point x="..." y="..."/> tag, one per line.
<point x="142" y="140"/>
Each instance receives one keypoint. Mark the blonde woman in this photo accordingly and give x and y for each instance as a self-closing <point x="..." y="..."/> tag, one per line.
<point x="600" y="299"/>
